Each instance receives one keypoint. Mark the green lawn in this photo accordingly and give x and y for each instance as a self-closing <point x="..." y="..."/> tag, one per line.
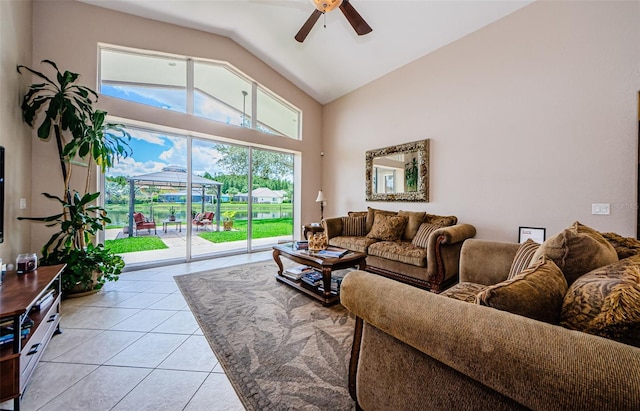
<point x="130" y="244"/>
<point x="118" y="213"/>
<point x="273" y="227"/>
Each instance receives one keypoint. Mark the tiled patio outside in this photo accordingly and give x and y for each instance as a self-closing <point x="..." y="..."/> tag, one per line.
<point x="177" y="242"/>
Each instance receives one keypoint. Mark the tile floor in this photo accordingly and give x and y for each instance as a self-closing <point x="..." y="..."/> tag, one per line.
<point x="133" y="346"/>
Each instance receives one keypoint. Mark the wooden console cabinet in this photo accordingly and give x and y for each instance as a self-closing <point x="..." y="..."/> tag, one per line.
<point x="18" y="296"/>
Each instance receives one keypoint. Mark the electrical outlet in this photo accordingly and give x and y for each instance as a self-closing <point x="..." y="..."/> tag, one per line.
<point x="601" y="209"/>
<point x="23" y="203"/>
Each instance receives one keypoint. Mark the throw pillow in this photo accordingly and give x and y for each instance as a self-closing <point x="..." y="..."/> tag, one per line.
<point x="606" y="302"/>
<point x="414" y="219"/>
<point x="444" y="221"/>
<point x="424" y="232"/>
<point x="371" y="215"/>
<point x="523" y="257"/>
<point x="624" y="246"/>
<point x="357" y="213"/>
<point x="577" y="250"/>
<point x="464" y="291"/>
<point x="387" y="227"/>
<point x="353" y="226"/>
<point x="536" y="293"/>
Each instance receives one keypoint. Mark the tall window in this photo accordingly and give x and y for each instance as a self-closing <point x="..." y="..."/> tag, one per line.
<point x="156" y="81"/>
<point x="276" y="116"/>
<point x="219" y="92"/>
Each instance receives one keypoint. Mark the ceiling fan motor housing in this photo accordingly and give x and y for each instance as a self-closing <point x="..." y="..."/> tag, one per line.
<point x="326" y="5"/>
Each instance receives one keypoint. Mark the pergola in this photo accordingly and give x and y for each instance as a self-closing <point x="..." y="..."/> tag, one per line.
<point x="172" y="177"/>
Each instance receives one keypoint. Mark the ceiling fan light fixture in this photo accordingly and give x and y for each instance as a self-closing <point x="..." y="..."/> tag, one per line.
<point x="326" y="5"/>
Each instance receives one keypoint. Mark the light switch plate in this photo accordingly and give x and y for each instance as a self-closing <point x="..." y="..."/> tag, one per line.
<point x="23" y="203"/>
<point x="601" y="209"/>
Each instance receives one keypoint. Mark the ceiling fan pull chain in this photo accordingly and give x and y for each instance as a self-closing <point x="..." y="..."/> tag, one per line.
<point x="325" y="19"/>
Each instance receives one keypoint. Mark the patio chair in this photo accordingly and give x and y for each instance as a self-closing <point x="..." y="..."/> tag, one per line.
<point x="203" y="219"/>
<point x="144" y="223"/>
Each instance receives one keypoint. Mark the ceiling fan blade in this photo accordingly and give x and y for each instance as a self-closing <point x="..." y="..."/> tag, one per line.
<point x="357" y="22"/>
<point x="308" y="25"/>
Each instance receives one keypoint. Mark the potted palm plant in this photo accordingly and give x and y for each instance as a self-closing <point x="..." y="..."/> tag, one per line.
<point x="83" y="139"/>
<point x="228" y="216"/>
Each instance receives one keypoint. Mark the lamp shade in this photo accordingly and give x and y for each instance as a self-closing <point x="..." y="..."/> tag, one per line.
<point x="321" y="198"/>
<point x="326" y="5"/>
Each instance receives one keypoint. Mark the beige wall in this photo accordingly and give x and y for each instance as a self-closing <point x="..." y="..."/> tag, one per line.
<point x="531" y="120"/>
<point x="68" y="33"/>
<point x="15" y="49"/>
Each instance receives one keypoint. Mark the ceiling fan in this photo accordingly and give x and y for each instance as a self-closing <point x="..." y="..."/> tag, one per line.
<point x="323" y="6"/>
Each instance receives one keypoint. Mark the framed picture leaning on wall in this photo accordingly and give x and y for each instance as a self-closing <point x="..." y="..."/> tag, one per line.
<point x="537" y="234"/>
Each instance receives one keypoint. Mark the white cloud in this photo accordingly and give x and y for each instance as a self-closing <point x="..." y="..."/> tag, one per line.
<point x="130" y="167"/>
<point x="149" y="137"/>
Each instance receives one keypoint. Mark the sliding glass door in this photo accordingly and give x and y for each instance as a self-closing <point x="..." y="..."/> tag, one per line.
<point x="195" y="198"/>
<point x="272" y="194"/>
<point x="219" y="210"/>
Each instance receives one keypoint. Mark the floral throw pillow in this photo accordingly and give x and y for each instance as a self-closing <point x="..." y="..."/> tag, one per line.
<point x="387" y="227"/>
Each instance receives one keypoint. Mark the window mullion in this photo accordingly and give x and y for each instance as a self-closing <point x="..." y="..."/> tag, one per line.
<point x="254" y="104"/>
<point x="190" y="87"/>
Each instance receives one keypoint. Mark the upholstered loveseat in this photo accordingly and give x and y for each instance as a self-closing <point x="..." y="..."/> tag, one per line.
<point x="417" y="350"/>
<point x="413" y="247"/>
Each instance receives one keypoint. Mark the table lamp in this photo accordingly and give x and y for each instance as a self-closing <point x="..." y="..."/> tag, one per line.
<point x="321" y="199"/>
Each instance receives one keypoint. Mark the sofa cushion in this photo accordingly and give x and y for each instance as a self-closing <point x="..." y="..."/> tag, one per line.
<point x="606" y="302"/>
<point x="577" y="250"/>
<point x="464" y="291"/>
<point x="387" y="227"/>
<point x="424" y="232"/>
<point x="444" y="221"/>
<point x="359" y="244"/>
<point x="402" y="251"/>
<point x="354" y="226"/>
<point x="414" y="219"/>
<point x="523" y="257"/>
<point x="536" y="293"/>
<point x="371" y="216"/>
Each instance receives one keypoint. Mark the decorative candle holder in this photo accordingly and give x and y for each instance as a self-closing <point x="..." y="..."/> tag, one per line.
<point x="318" y="242"/>
<point x="26" y="263"/>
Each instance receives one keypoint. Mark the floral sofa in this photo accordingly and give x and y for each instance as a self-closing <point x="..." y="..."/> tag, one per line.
<point x="413" y="247"/>
<point x="551" y="326"/>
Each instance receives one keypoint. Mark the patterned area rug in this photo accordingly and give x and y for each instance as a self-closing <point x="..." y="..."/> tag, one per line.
<point x="280" y="348"/>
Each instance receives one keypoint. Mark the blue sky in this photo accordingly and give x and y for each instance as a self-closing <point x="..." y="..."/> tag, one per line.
<point x="152" y="150"/>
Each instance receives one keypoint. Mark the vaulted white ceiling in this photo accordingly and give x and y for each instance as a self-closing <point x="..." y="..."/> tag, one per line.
<point x="332" y="61"/>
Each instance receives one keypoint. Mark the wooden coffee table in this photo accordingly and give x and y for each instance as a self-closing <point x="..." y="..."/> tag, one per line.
<point x="326" y="265"/>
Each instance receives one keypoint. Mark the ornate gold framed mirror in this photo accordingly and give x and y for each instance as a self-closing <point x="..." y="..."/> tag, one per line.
<point x="398" y="173"/>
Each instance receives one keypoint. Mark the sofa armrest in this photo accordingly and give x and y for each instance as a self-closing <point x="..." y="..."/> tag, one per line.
<point x="332" y="227"/>
<point x="443" y="252"/>
<point x="539" y="365"/>
<point x="454" y="233"/>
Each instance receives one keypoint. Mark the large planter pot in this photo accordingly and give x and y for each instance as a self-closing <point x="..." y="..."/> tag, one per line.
<point x="82" y="291"/>
<point x="227" y="225"/>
